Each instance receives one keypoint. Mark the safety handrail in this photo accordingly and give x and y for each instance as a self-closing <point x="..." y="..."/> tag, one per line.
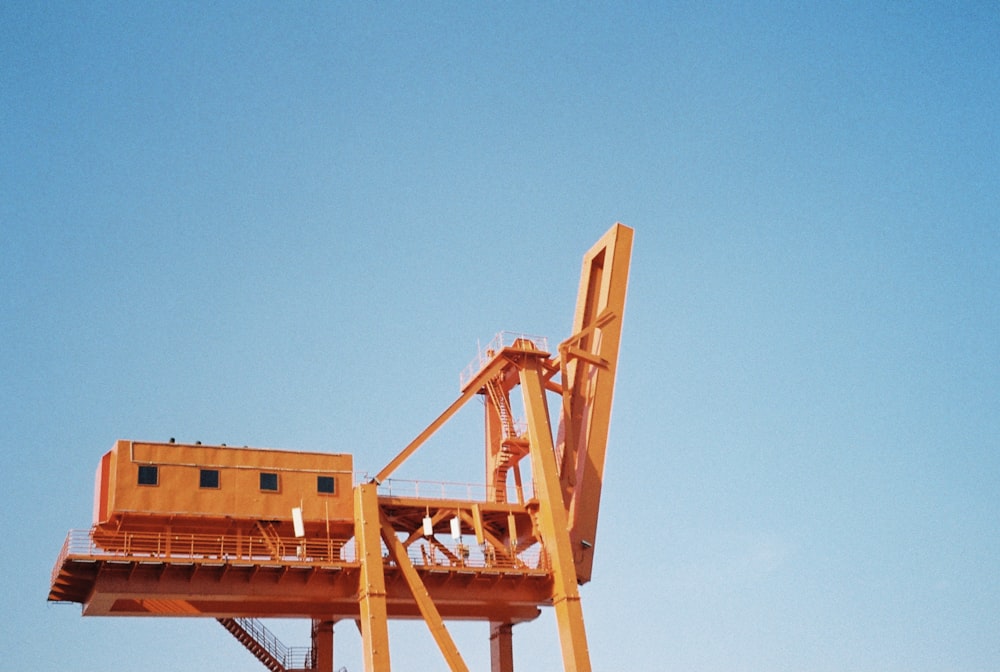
<point x="96" y="544"/>
<point x="468" y="492"/>
<point x="291" y="657"/>
<point x="459" y="555"/>
<point x="64" y="552"/>
<point x="504" y="339"/>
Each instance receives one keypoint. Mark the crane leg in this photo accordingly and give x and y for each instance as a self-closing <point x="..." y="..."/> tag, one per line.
<point x="372" y="595"/>
<point x="501" y="647"/>
<point x="322" y="644"/>
<point x="553" y="519"/>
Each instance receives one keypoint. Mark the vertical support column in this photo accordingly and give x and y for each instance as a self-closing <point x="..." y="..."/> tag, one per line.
<point x="322" y="645"/>
<point x="553" y="523"/>
<point x="501" y="647"/>
<point x="371" y="591"/>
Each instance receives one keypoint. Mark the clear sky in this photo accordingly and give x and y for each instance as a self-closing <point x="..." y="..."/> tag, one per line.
<point x="287" y="225"/>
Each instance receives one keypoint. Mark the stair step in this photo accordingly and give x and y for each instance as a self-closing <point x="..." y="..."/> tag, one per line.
<point x="271" y="659"/>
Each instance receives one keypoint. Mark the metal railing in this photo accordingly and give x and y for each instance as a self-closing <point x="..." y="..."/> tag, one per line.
<point x="96" y="544"/>
<point x="458" y="555"/>
<point x="504" y="339"/>
<point x="460" y="492"/>
<point x="100" y="544"/>
<point x="290" y="657"/>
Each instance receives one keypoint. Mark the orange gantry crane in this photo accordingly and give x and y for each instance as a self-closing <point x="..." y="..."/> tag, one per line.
<point x="240" y="534"/>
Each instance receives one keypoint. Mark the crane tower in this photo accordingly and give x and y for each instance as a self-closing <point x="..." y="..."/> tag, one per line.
<point x="240" y="534"/>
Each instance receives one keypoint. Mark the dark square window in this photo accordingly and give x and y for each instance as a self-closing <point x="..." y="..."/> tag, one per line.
<point x="269" y="482"/>
<point x="209" y="478"/>
<point x="148" y="475"/>
<point x="325" y="484"/>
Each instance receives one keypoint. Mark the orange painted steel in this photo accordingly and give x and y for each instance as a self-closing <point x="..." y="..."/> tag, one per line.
<point x="589" y="360"/>
<point x="243" y="533"/>
<point x="202" y="489"/>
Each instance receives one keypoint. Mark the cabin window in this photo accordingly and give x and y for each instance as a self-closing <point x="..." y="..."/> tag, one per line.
<point x="148" y="475"/>
<point x="269" y="482"/>
<point x="209" y="478"/>
<point x="325" y="485"/>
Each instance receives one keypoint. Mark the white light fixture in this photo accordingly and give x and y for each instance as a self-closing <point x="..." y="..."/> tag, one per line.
<point x="428" y="526"/>
<point x="297" y="523"/>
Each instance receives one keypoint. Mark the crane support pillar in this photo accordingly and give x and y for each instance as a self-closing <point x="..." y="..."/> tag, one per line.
<point x="501" y="647"/>
<point x="371" y="589"/>
<point x="322" y="644"/>
<point x="552" y="519"/>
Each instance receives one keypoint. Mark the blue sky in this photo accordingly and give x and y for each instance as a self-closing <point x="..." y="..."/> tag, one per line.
<point x="287" y="225"/>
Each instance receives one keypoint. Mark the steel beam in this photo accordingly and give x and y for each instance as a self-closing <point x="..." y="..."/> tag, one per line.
<point x="371" y="591"/>
<point x="501" y="647"/>
<point x="423" y="599"/>
<point x="552" y="520"/>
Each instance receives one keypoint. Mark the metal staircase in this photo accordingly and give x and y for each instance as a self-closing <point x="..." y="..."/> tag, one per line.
<point x="512" y="447"/>
<point x="267" y="648"/>
<point x="502" y="403"/>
